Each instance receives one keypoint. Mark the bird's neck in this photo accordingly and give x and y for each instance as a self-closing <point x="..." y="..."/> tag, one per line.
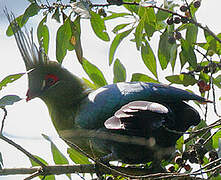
<point x="63" y="108"/>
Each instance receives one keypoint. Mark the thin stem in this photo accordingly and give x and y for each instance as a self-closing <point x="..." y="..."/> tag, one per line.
<point x="3" y="120"/>
<point x="22" y="150"/>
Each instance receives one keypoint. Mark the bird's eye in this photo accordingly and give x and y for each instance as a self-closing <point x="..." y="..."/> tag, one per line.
<point x="50" y="79"/>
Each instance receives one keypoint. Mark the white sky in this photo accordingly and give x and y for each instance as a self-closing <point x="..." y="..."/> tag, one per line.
<point x="27" y="121"/>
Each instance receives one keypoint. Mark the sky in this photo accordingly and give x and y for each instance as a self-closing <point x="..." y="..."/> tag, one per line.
<point x="27" y="121"/>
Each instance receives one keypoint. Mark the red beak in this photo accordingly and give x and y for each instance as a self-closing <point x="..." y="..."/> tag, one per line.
<point x="28" y="97"/>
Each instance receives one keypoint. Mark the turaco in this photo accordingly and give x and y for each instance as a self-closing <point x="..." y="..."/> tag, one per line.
<point x="132" y="122"/>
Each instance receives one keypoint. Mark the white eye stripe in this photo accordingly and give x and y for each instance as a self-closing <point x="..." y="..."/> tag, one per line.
<point x="43" y="84"/>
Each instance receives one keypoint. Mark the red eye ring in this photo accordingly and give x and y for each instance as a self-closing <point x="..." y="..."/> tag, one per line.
<point x="51" y="79"/>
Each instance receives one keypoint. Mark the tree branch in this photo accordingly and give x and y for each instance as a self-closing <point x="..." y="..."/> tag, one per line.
<point x="22" y="150"/>
<point x="3" y="120"/>
<point x="90" y="168"/>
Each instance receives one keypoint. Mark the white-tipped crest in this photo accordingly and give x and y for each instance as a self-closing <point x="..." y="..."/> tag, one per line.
<point x="32" y="56"/>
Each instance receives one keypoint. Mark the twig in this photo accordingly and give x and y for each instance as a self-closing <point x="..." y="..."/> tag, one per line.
<point x="22" y="150"/>
<point x="210" y="137"/>
<point x="214" y="98"/>
<point x="3" y="120"/>
<point x="35" y="174"/>
<point x="89" y="168"/>
<point x="205" y="129"/>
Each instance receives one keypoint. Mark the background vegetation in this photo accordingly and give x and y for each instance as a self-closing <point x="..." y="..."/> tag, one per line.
<point x="192" y="64"/>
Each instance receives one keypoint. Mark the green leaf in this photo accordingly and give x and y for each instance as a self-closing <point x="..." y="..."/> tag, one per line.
<point x="56" y="15"/>
<point x="90" y="84"/>
<point x="150" y="22"/>
<point x="10" y="79"/>
<point x="76" y="38"/>
<point x="183" y="60"/>
<point x="216" y="138"/>
<point x="98" y="26"/>
<point x="94" y="73"/>
<point x="77" y="157"/>
<point x="9" y="31"/>
<point x="32" y="10"/>
<point x="115" y="43"/>
<point x="162" y="15"/>
<point x="63" y="39"/>
<point x="33" y="163"/>
<point x="9" y="100"/>
<point x="142" y="77"/>
<point x="184" y="79"/>
<point x="58" y="157"/>
<point x="119" y="72"/>
<point x="179" y="144"/>
<point x="164" y="50"/>
<point x="132" y="9"/>
<point x="217" y="81"/>
<point x="149" y="58"/>
<point x="119" y="27"/>
<point x="188" y="53"/>
<point x="191" y="33"/>
<point x="43" y="34"/>
<point x="173" y="55"/>
<point x="139" y="32"/>
<point x="115" y="15"/>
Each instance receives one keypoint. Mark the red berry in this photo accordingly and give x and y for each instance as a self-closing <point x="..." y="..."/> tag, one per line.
<point x="206" y="87"/>
<point x="201" y="83"/>
<point x="171" y="168"/>
<point x="187" y="167"/>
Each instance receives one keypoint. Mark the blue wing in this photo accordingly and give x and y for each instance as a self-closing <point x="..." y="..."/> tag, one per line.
<point x="105" y="101"/>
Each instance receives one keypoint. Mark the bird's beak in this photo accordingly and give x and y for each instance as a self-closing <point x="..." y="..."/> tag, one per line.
<point x="29" y="95"/>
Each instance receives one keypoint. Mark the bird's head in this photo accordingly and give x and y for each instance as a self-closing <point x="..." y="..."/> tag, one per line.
<point x="47" y="79"/>
<point x="51" y="82"/>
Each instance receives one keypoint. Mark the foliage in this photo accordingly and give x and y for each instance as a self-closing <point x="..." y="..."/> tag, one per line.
<point x="177" y="29"/>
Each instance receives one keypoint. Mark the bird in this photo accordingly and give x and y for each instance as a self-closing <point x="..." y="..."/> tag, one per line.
<point x="130" y="122"/>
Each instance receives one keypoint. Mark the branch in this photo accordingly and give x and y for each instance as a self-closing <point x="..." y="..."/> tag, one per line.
<point x="3" y="120"/>
<point x="91" y="168"/>
<point x="22" y="150"/>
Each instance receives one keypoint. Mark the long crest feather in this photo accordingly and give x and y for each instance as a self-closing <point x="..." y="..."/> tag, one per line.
<point x="31" y="55"/>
